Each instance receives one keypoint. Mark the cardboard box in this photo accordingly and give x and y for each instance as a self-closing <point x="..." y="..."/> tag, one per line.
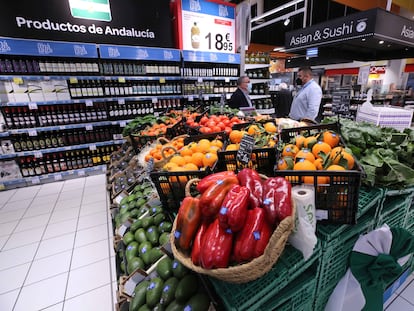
<point x="6" y="92"/>
<point x="20" y="90"/>
<point x="62" y="90"/>
<point x="48" y="88"/>
<point x="35" y="91"/>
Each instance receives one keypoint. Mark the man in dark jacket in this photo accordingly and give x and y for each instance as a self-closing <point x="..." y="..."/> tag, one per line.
<point x="240" y="97"/>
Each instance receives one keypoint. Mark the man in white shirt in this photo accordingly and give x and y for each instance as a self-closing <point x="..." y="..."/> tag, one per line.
<point x="305" y="104"/>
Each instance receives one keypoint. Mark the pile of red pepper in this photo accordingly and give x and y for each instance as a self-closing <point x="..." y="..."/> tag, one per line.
<point x="233" y="218"/>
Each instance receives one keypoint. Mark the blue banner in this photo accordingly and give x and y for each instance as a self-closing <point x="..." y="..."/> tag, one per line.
<point x="209" y="7"/>
<point x="138" y="53"/>
<point x="211" y="57"/>
<point x="47" y="48"/>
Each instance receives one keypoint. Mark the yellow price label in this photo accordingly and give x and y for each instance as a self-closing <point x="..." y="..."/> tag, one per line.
<point x="18" y="80"/>
<point x="2" y="187"/>
<point x="73" y="80"/>
<point x="162" y="80"/>
<point x="121" y="80"/>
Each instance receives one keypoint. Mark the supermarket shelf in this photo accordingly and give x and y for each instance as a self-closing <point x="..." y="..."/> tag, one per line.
<point x="200" y="79"/>
<point x="87" y="126"/>
<point x="259" y="96"/>
<point x="203" y="96"/>
<point x="153" y="97"/>
<point x="255" y="66"/>
<point x="40" y="152"/>
<point x="266" y="111"/>
<point x="4" y="134"/>
<point x="98" y="76"/>
<point x="255" y="81"/>
<point x="27" y="181"/>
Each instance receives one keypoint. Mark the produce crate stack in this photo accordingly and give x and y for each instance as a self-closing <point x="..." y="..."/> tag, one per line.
<point x="394" y="211"/>
<point x="276" y="289"/>
<point x="337" y="243"/>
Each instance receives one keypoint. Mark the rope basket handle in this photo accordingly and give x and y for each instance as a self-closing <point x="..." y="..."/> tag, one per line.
<point x="165" y="148"/>
<point x="180" y="136"/>
<point x="162" y="138"/>
<point x="189" y="184"/>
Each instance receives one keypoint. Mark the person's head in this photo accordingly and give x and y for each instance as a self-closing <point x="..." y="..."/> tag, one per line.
<point x="304" y="75"/>
<point x="243" y="82"/>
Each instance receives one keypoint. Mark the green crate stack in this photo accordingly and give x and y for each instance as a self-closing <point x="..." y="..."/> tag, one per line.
<point x="394" y="211"/>
<point x="337" y="244"/>
<point x="369" y="200"/>
<point x="297" y="296"/>
<point x="254" y="294"/>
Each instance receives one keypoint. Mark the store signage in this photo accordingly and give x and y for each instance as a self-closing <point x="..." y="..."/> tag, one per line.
<point x="138" y="53"/>
<point x="356" y="25"/>
<point x="377" y="69"/>
<point x="402" y="30"/>
<point x="197" y="56"/>
<point x="208" y="26"/>
<point x="127" y="22"/>
<point x="47" y="48"/>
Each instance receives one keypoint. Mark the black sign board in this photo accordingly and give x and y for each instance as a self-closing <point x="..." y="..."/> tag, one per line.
<point x="341" y="101"/>
<point x="125" y="22"/>
<point x="245" y="150"/>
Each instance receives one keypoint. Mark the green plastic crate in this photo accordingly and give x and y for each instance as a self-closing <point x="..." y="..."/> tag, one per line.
<point x="394" y="211"/>
<point x="249" y="296"/>
<point x="394" y="192"/>
<point x="369" y="200"/>
<point x="297" y="296"/>
<point x="337" y="245"/>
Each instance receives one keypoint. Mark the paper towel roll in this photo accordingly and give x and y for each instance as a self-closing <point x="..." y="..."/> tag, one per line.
<point x="304" y="198"/>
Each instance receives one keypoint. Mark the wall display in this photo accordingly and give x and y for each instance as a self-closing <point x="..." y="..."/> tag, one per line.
<point x="208" y="26"/>
<point x="103" y="21"/>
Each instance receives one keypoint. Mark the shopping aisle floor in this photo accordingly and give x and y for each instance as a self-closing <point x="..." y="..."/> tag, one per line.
<point x="56" y="247"/>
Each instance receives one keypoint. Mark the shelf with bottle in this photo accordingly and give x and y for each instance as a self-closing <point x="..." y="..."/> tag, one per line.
<point x="40" y="152"/>
<point x="256" y="58"/>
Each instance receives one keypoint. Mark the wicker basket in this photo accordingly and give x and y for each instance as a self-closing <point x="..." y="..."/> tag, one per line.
<point x="251" y="270"/>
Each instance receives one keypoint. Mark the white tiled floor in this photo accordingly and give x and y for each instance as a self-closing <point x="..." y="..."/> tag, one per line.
<point x="56" y="250"/>
<point x="55" y="247"/>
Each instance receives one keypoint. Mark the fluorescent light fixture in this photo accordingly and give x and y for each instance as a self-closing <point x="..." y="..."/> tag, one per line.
<point x="363" y="39"/>
<point x="381" y="42"/>
<point x="286" y="22"/>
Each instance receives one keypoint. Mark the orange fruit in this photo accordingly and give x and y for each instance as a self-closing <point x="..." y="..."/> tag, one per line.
<point x="321" y="147"/>
<point x="179" y="160"/>
<point x="169" y="166"/>
<point x="318" y="163"/>
<point x="253" y="130"/>
<point x="209" y="159"/>
<point x="232" y="147"/>
<point x="236" y="136"/>
<point x="186" y="151"/>
<point x="193" y="146"/>
<point x="309" y="142"/>
<point x="290" y="150"/>
<point x="285" y="163"/>
<point x="188" y="159"/>
<point x="335" y="167"/>
<point x="336" y="152"/>
<point x="319" y="180"/>
<point x="197" y="158"/>
<point x="190" y="167"/>
<point x="304" y="165"/>
<point x="331" y="138"/>
<point x="217" y="143"/>
<point x="203" y="145"/>
<point x="349" y="159"/>
<point x="214" y="149"/>
<point x="270" y="127"/>
<point x="305" y="154"/>
<point x="299" y="141"/>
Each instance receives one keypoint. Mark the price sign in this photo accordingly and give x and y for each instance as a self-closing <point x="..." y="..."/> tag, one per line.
<point x="121" y="80"/>
<point x="92" y="147"/>
<point x="32" y="106"/>
<point x="89" y="103"/>
<point x="38" y="155"/>
<point x="122" y="124"/>
<point x="245" y="150"/>
<point x="17" y="80"/>
<point x="162" y="80"/>
<point x="35" y="180"/>
<point x="81" y="173"/>
<point x="208" y="26"/>
<point x="154" y="100"/>
<point x="32" y="133"/>
<point x="73" y="80"/>
<point x="2" y="187"/>
<point x="89" y="127"/>
<point x="121" y="101"/>
<point x="58" y="177"/>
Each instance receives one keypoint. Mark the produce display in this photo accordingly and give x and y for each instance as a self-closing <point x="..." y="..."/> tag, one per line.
<point x="233" y="219"/>
<point x="214" y="123"/>
<point x="386" y="155"/>
<point x="265" y="135"/>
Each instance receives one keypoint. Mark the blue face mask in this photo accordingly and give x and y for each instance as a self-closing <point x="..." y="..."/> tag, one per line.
<point x="249" y="87"/>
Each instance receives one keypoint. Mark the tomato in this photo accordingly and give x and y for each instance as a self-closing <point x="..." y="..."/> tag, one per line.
<point x="204" y="120"/>
<point x="227" y="130"/>
<point x="210" y="124"/>
<point x="221" y="125"/>
<point x="215" y="129"/>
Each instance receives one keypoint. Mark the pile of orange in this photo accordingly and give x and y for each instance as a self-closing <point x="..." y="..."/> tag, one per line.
<point x="158" y="129"/>
<point x="162" y="151"/>
<point x="195" y="156"/>
<point x="313" y="153"/>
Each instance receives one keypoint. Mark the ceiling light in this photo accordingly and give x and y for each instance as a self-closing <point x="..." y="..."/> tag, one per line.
<point x="286" y="22"/>
<point x="363" y="39"/>
<point x="381" y="42"/>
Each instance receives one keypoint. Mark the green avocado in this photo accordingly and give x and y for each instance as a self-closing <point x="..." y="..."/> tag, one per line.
<point x="152" y="235"/>
<point x="179" y="270"/>
<point x="135" y="263"/>
<point x="140" y="293"/>
<point x="198" y="302"/>
<point x="131" y="250"/>
<point x="164" y="268"/>
<point x="140" y="235"/>
<point x="187" y="287"/>
<point x="128" y="238"/>
<point x="168" y="291"/>
<point x="154" y="291"/>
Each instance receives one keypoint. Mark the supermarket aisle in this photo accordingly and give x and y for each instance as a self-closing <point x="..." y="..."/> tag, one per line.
<point x="56" y="247"/>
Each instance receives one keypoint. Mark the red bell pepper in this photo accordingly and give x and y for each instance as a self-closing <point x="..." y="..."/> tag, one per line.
<point x="188" y="221"/>
<point x="233" y="210"/>
<point x="277" y="199"/>
<point x="252" y="240"/>
<point x="216" y="247"/>
<point x="207" y="181"/>
<point x="211" y="199"/>
<point x="251" y="179"/>
<point x="198" y="240"/>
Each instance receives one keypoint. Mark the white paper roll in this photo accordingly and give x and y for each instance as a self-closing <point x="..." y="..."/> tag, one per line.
<point x="304" y="198"/>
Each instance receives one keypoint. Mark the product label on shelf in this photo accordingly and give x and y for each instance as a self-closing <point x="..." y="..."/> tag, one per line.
<point x="35" y="180"/>
<point x="139" y="53"/>
<point x="245" y="151"/>
<point x="88" y="103"/>
<point x="32" y="133"/>
<point x="57" y="177"/>
<point x="212" y="57"/>
<point x="47" y="48"/>
<point x="81" y="173"/>
<point x="92" y="147"/>
<point x="208" y="26"/>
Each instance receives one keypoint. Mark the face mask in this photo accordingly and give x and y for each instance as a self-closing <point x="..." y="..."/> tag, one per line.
<point x="249" y="87"/>
<point x="299" y="81"/>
